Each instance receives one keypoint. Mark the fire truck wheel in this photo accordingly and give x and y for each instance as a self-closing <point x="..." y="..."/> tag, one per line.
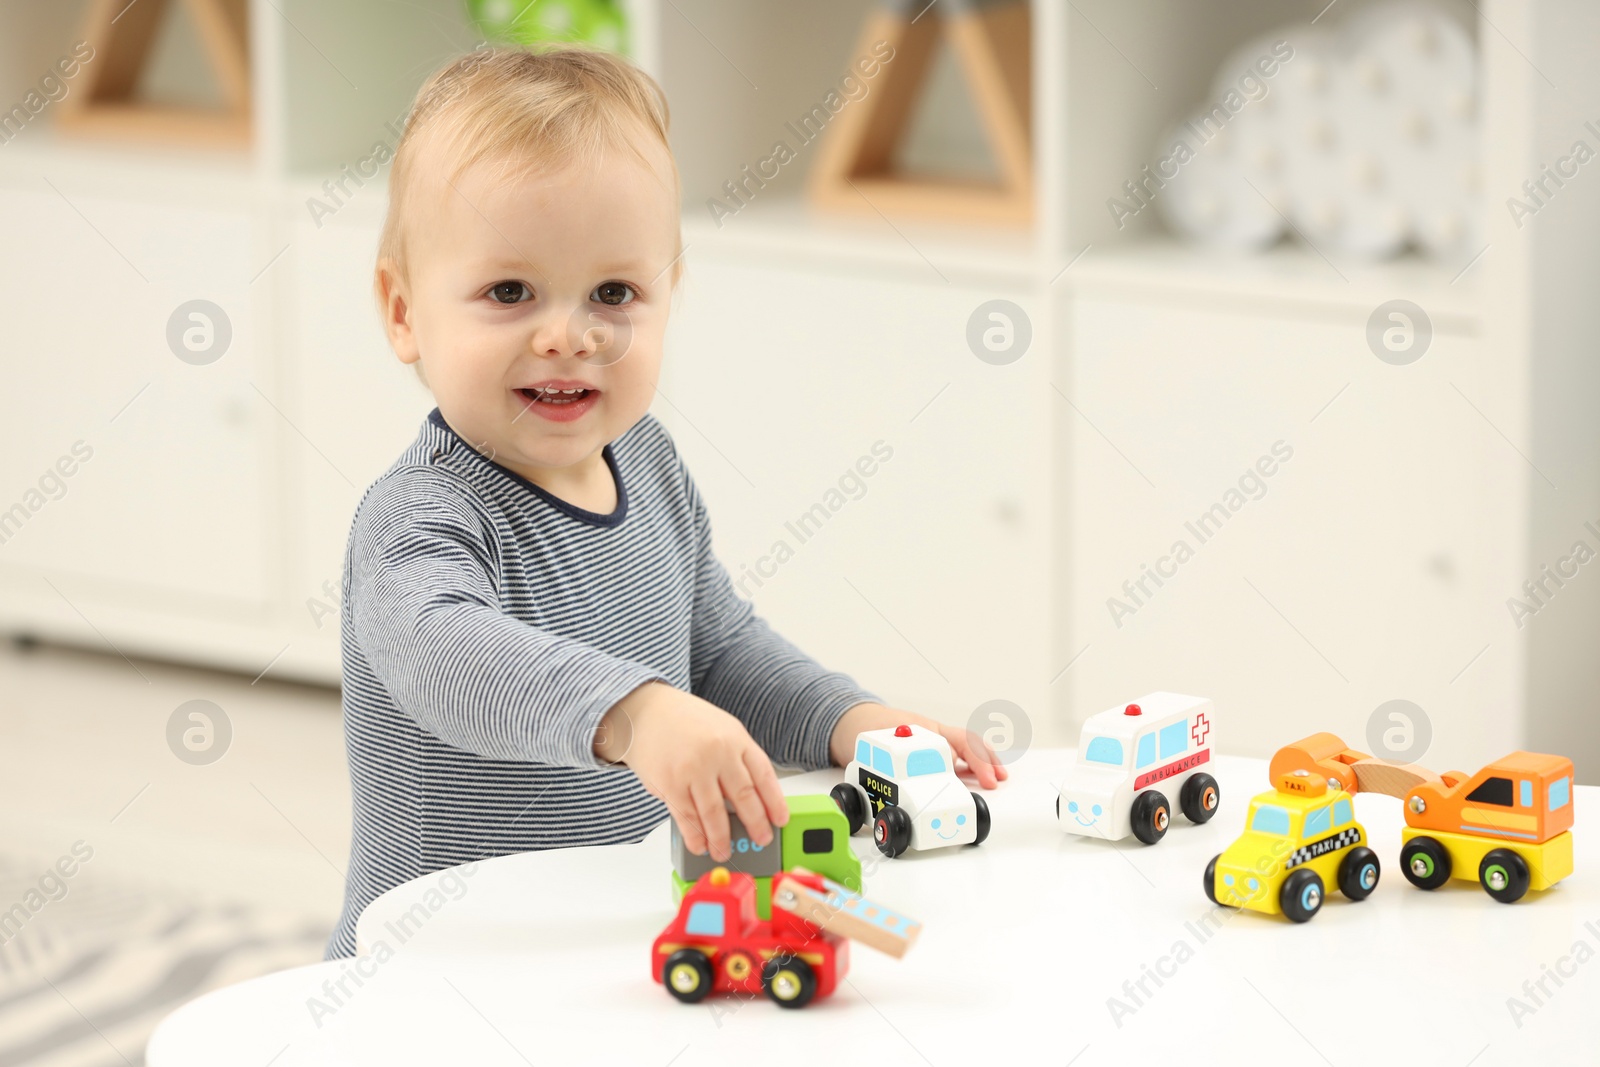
<point x="1425" y="863"/>
<point x="1358" y="873"/>
<point x="983" y="817"/>
<point x="1199" y="798"/>
<point x="1150" y="816"/>
<point x="1301" y="895"/>
<point x="844" y="794"/>
<point x="1503" y="875"/>
<point x="1211" y="878"/>
<point x="891" y="831"/>
<point x="790" y="980"/>
<point x="687" y="975"/>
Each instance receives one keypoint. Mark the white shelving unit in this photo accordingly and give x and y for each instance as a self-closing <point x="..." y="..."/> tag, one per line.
<point x="977" y="563"/>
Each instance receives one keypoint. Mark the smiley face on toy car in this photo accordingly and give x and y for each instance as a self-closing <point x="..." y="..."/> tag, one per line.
<point x="1077" y="812"/>
<point x="903" y="784"/>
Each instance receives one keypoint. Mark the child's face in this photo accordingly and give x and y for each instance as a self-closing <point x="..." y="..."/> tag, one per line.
<point x="537" y="305"/>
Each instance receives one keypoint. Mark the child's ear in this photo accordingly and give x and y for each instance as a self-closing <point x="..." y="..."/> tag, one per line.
<point x="397" y="313"/>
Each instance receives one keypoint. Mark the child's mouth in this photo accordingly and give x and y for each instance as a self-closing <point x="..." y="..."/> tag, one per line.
<point x="559" y="404"/>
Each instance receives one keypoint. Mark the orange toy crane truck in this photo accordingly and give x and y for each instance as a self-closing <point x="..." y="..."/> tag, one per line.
<point x="1508" y="826"/>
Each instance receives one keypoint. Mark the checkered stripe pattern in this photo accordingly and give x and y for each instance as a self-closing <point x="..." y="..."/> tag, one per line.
<point x="1305" y="853"/>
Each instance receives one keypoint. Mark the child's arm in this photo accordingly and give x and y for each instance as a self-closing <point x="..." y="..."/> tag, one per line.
<point x="424" y="610"/>
<point x="423" y="607"/>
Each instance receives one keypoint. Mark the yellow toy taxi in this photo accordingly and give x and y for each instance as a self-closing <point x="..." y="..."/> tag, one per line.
<point x="1299" y="838"/>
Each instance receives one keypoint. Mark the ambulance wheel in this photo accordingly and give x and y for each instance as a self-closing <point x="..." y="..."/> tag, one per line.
<point x="855" y="813"/>
<point x="983" y="817"/>
<point x="1358" y="873"/>
<point x="1301" y="895"/>
<point x="1425" y="863"/>
<point x="789" y="980"/>
<point x="1198" y="798"/>
<point x="1150" y="816"/>
<point x="1211" y="880"/>
<point x="687" y="975"/>
<point x="891" y="831"/>
<point x="1503" y="875"/>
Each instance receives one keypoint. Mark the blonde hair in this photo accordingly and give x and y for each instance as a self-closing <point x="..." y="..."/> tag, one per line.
<point x="525" y="109"/>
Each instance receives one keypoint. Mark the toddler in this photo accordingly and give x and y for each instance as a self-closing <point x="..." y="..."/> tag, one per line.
<point x="540" y="649"/>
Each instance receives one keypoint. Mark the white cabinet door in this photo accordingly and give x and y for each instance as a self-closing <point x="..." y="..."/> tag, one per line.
<point x="356" y="406"/>
<point x="1370" y="565"/>
<point x="168" y="503"/>
<point x="879" y="492"/>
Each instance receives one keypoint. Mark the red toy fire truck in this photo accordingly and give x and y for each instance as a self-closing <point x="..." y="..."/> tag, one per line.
<point x="717" y="945"/>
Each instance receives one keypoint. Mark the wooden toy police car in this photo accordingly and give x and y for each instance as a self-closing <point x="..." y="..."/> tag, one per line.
<point x="903" y="782"/>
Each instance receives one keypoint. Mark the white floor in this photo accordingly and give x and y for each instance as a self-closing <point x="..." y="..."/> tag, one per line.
<point x="199" y="875"/>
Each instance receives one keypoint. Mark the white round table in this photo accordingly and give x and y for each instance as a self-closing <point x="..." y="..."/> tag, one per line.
<point x="1037" y="947"/>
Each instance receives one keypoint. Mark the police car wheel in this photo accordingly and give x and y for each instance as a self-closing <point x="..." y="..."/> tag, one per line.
<point x="849" y="802"/>
<point x="983" y="817"/>
<point x="1199" y="798"/>
<point x="789" y="981"/>
<point x="1358" y="873"/>
<point x="1503" y="875"/>
<point x="1301" y="895"/>
<point x="1425" y="863"/>
<point x="1150" y="816"/>
<point x="891" y="831"/>
<point x="687" y="975"/>
<point x="1210" y="881"/>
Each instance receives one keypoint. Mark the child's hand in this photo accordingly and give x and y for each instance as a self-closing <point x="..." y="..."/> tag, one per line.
<point x="692" y="754"/>
<point x="968" y="746"/>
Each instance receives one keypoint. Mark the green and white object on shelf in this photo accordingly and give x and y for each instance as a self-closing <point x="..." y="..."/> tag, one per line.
<point x="600" y="23"/>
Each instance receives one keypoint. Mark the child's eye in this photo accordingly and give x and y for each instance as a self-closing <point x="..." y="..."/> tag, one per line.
<point x="510" y="293"/>
<point x="614" y="293"/>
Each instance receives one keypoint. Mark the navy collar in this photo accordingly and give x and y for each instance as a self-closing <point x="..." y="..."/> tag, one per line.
<point x="594" y="518"/>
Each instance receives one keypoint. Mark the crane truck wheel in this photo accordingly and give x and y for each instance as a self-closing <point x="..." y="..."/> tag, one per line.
<point x="1425" y="863"/>
<point x="1503" y="875"/>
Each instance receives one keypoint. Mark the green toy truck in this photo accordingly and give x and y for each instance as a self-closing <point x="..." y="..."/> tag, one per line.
<point x="817" y="838"/>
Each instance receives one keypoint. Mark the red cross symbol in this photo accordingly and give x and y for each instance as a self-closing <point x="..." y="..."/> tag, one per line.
<point x="1201" y="728"/>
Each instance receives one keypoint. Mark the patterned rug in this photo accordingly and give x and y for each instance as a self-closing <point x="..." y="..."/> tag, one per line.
<point x="88" y="966"/>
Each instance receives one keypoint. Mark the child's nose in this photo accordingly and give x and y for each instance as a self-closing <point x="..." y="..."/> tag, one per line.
<point x="563" y="333"/>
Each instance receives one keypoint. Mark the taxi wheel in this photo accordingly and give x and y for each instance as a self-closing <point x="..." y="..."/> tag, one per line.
<point x="789" y="980"/>
<point x="844" y="794"/>
<point x="983" y="817"/>
<point x="1358" y="873"/>
<point x="687" y="975"/>
<point x="1425" y="863"/>
<point x="1301" y="895"/>
<point x="891" y="831"/>
<point x="1150" y="816"/>
<point x="1199" y="798"/>
<point x="1211" y="880"/>
<point x="1503" y="875"/>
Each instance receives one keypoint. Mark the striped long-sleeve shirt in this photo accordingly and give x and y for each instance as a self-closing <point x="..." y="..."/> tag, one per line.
<point x="489" y="625"/>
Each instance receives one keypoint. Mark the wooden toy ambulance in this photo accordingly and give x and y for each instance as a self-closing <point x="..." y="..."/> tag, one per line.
<point x="1133" y="761"/>
<point x="903" y="782"/>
